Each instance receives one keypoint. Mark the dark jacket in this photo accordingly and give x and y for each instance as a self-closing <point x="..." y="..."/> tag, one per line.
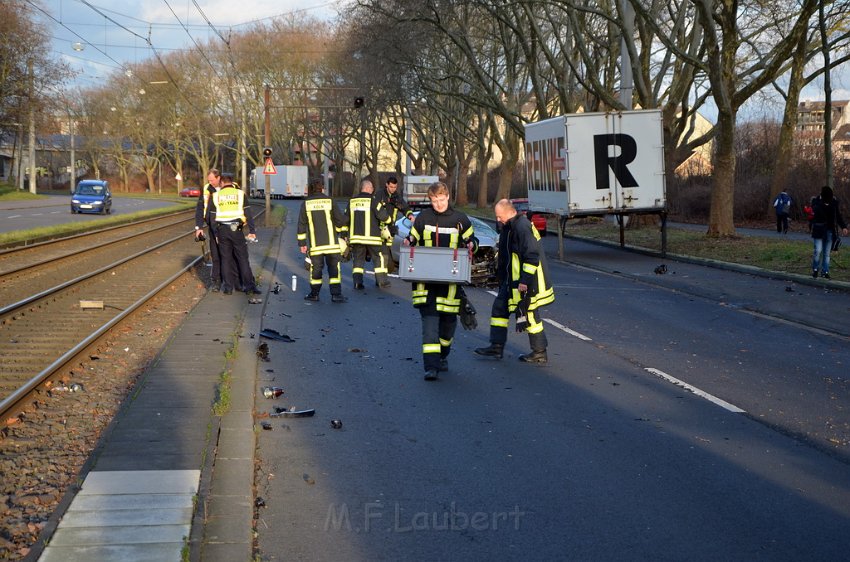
<point x="450" y="229"/>
<point x="827" y="217"/>
<point x="365" y="216"/>
<point x="320" y="223"/>
<point x="394" y="204"/>
<point x="205" y="208"/>
<point x="521" y="260"/>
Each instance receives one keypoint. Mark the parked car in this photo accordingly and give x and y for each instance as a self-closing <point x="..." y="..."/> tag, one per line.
<point x="92" y="196"/>
<point x="190" y="192"/>
<point x="483" y="262"/>
<point x="538" y="220"/>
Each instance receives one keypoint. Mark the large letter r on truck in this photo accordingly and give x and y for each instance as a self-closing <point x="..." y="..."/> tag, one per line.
<point x="617" y="164"/>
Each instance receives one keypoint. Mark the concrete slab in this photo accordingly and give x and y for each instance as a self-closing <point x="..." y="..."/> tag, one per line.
<point x="131" y="502"/>
<point x="228" y="528"/>
<point x="103" y="517"/>
<point x="141" y="482"/>
<point x="226" y="552"/>
<point x="92" y="536"/>
<point x="236" y="444"/>
<point x="234" y="476"/>
<point x="115" y="553"/>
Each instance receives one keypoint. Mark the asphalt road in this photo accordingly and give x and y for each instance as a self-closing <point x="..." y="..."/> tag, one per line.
<point x="602" y="455"/>
<point x="56" y="209"/>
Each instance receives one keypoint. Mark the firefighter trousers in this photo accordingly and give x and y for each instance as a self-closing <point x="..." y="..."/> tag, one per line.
<point x="378" y="258"/>
<point x="438" y="331"/>
<point x="334" y="277"/>
<point x="500" y="320"/>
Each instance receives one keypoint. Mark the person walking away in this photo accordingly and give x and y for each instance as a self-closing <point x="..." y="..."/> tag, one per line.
<point x="390" y="198"/>
<point x="366" y="216"/>
<point x="231" y="219"/>
<point x="439" y="303"/>
<point x="782" y="206"/>
<point x="320" y="223"/>
<point x="825" y="222"/>
<point x="205" y="213"/>
<point x="524" y="286"/>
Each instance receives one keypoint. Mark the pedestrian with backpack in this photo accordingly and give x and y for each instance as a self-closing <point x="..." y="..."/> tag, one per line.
<point x="782" y="205"/>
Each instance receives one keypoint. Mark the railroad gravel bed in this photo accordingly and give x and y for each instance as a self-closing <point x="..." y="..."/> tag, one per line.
<point x="44" y="447"/>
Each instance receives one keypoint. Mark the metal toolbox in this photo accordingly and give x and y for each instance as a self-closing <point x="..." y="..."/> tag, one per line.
<point x="434" y="265"/>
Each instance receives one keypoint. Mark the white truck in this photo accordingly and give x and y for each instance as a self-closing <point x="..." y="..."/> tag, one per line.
<point x="288" y="181"/>
<point x="416" y="190"/>
<point x="596" y="163"/>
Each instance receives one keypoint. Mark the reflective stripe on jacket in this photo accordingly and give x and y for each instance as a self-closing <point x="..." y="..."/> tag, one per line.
<point x="319" y="225"/>
<point x="366" y="216"/>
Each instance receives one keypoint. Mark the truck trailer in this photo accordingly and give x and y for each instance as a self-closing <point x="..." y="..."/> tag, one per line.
<point x="288" y="182"/>
<point x="594" y="164"/>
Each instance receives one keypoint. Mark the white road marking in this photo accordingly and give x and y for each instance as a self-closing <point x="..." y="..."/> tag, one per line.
<point x="711" y="398"/>
<point x="14" y="216"/>
<point x="557" y="325"/>
<point x="567" y="330"/>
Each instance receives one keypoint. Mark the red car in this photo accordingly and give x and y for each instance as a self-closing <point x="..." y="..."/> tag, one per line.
<point x="538" y="220"/>
<point x="190" y="192"/>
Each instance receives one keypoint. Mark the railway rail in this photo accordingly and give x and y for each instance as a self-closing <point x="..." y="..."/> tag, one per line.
<point x="60" y="298"/>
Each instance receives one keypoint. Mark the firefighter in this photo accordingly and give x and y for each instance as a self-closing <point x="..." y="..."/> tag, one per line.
<point x="320" y="225"/>
<point x="365" y="217"/>
<point x="231" y="219"/>
<point x="523" y="286"/>
<point x="395" y="204"/>
<point x="439" y="303"/>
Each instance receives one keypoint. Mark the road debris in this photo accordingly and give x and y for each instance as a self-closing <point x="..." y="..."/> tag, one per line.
<point x="293" y="412"/>
<point x="272" y="391"/>
<point x="275" y="335"/>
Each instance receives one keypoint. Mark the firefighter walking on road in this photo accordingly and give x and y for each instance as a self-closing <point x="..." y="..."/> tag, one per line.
<point x="395" y="204"/>
<point x="366" y="216"/>
<point x="320" y="224"/>
<point x="523" y="286"/>
<point x="439" y="303"/>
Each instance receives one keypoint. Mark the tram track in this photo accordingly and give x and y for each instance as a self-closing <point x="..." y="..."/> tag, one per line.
<point x="46" y="325"/>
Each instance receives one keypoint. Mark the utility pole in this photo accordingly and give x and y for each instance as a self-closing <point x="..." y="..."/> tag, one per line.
<point x="33" y="178"/>
<point x="268" y="143"/>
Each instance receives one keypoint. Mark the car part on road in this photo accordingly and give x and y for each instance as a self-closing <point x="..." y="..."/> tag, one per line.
<point x="272" y="391"/>
<point x="275" y="335"/>
<point x="293" y="413"/>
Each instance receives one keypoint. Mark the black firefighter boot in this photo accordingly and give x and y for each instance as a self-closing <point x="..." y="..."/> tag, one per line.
<point x="313" y="295"/>
<point x="538" y="350"/>
<point x="493" y="350"/>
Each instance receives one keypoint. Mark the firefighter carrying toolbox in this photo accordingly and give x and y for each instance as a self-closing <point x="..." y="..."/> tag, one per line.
<point x="426" y="264"/>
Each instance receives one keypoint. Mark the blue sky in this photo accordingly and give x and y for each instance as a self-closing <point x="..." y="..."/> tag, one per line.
<point x="113" y="33"/>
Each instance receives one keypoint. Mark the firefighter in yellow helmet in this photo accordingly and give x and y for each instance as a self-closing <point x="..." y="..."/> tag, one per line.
<point x="232" y="216"/>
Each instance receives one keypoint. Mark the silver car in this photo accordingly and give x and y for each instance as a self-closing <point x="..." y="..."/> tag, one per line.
<point x="484" y="260"/>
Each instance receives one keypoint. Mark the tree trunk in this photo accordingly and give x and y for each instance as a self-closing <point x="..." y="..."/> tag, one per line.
<point x="721" y="216"/>
<point x="785" y="147"/>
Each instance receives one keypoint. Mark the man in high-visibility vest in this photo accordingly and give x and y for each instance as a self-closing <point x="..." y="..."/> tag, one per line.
<point x="320" y="224"/>
<point x="366" y="217"/>
<point x="231" y="218"/>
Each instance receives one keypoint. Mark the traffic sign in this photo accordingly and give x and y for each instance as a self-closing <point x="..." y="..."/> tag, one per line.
<point x="269" y="170"/>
